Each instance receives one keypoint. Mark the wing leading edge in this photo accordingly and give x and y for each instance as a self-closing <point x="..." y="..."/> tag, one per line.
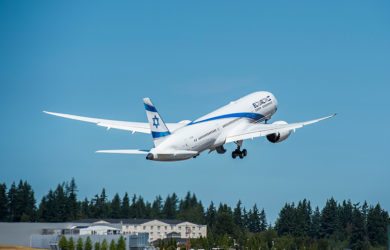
<point x="141" y="127"/>
<point x="258" y="130"/>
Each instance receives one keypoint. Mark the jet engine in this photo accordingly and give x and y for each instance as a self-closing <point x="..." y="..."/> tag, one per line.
<point x="279" y="136"/>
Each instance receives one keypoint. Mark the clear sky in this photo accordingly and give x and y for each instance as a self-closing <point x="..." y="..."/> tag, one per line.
<point x="100" y="58"/>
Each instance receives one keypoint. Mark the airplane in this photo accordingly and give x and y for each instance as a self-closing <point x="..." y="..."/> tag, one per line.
<point x="239" y="120"/>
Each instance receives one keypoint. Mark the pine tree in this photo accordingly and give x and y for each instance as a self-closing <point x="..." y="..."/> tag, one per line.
<point x="112" y="245"/>
<point x="12" y="202"/>
<point x="121" y="244"/>
<point x="125" y="208"/>
<point x="115" y="210"/>
<point x="224" y="223"/>
<point x="377" y="221"/>
<point x="285" y="223"/>
<point x="157" y="207"/>
<point x="70" y="243"/>
<point x="72" y="204"/>
<point x="315" y="224"/>
<point x="104" y="245"/>
<point x="211" y="216"/>
<point x="263" y="221"/>
<point x="254" y="220"/>
<point x="97" y="246"/>
<point x="329" y="219"/>
<point x="357" y="233"/>
<point x="238" y="215"/>
<point x="79" y="244"/>
<point x="88" y="244"/>
<point x="63" y="243"/>
<point x="3" y="202"/>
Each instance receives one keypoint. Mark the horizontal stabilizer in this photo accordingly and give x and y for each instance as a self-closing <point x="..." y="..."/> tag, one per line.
<point x="124" y="151"/>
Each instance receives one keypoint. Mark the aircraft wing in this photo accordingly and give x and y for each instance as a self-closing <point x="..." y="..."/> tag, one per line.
<point x="141" y="127"/>
<point x="258" y="130"/>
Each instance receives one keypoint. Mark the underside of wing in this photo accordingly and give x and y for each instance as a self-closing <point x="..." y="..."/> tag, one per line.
<point x="258" y="130"/>
<point x="141" y="127"/>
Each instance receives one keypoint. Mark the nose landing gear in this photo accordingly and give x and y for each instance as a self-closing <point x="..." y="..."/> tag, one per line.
<point x="239" y="153"/>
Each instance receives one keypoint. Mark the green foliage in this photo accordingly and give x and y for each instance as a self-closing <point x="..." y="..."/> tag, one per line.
<point x="104" y="245"/>
<point x="88" y="244"/>
<point x="97" y="246"/>
<point x="112" y="245"/>
<point x="79" y="244"/>
<point x="337" y="225"/>
<point x="121" y="244"/>
<point x="63" y="243"/>
<point x="70" y="243"/>
<point x="3" y="202"/>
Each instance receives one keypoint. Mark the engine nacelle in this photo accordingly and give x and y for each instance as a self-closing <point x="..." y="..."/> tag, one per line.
<point x="280" y="136"/>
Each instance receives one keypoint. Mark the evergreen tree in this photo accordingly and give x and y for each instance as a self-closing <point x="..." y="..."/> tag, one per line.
<point x="302" y="219"/>
<point x="211" y="216"/>
<point x="377" y="221"/>
<point x="71" y="244"/>
<point x="79" y="244"/>
<point x="224" y="223"/>
<point x="115" y="210"/>
<point x="125" y="208"/>
<point x="3" y="202"/>
<point x="63" y="243"/>
<point x="238" y="215"/>
<point x="85" y="212"/>
<point x="88" y="244"/>
<point x="245" y="218"/>
<point x="121" y="244"/>
<point x="315" y="224"/>
<point x="72" y="204"/>
<point x="12" y="202"/>
<point x="112" y="245"/>
<point x="329" y="219"/>
<point x="157" y="208"/>
<point x="104" y="245"/>
<point x="254" y="220"/>
<point x="97" y="246"/>
<point x="170" y="207"/>
<point x="263" y="221"/>
<point x="357" y="234"/>
<point x="285" y="223"/>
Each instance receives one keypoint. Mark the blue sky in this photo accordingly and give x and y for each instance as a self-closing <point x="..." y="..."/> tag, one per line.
<point x="101" y="58"/>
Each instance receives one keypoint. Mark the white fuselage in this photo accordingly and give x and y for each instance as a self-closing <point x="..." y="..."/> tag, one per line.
<point x="210" y="131"/>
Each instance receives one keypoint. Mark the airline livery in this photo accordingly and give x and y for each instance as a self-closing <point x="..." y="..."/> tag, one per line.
<point x="239" y="120"/>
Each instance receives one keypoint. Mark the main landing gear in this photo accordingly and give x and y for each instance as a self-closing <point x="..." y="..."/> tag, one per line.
<point x="238" y="152"/>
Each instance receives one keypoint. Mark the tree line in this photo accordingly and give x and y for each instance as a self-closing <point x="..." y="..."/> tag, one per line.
<point x="344" y="224"/>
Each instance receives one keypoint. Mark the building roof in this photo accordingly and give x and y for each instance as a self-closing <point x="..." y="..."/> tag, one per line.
<point x="128" y="221"/>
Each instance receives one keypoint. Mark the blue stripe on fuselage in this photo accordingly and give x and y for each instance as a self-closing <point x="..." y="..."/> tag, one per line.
<point x="150" y="108"/>
<point x="160" y="134"/>
<point x="253" y="116"/>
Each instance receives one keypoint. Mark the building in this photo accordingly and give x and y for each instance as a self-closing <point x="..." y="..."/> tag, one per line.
<point x="156" y="228"/>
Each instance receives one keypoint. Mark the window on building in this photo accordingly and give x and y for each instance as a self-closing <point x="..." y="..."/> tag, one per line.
<point x="158" y="227"/>
<point x="144" y="227"/>
<point x="193" y="234"/>
<point x="135" y="227"/>
<point x="193" y="228"/>
<point x="165" y="227"/>
<point x="171" y="227"/>
<point x="151" y="227"/>
<point x="179" y="228"/>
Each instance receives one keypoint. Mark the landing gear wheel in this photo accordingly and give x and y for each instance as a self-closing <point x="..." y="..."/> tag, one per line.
<point x="244" y="152"/>
<point x="234" y="154"/>
<point x="241" y="155"/>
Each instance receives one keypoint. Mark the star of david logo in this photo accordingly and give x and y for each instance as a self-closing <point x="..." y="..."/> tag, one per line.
<point x="156" y="123"/>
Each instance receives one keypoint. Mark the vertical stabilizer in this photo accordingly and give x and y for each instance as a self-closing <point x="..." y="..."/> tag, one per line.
<point x="157" y="126"/>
